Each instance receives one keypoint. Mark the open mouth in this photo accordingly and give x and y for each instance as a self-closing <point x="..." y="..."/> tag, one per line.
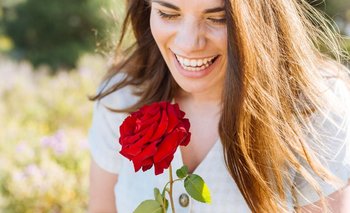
<point x="195" y="64"/>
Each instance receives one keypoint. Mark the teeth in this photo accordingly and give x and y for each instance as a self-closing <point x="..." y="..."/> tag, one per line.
<point x="199" y="62"/>
<point x="195" y="64"/>
<point x="186" y="62"/>
<point x="181" y="60"/>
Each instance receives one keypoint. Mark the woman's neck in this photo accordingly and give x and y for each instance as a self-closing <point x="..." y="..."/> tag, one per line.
<point x="199" y="104"/>
<point x="199" y="99"/>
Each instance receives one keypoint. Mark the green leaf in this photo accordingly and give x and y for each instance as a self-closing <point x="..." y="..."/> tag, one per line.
<point x="149" y="206"/>
<point x="157" y="196"/>
<point x="160" y="198"/>
<point x="182" y="172"/>
<point x="166" y="204"/>
<point x="197" y="189"/>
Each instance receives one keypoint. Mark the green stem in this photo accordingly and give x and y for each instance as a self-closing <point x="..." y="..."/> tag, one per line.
<point x="169" y="183"/>
<point x="177" y="180"/>
<point x="164" y="209"/>
<point x="171" y="189"/>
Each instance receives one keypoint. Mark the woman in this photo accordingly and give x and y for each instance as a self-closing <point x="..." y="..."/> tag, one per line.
<point x="270" y="130"/>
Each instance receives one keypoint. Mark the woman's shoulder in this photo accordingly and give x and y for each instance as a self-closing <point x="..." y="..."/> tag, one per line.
<point x="105" y="109"/>
<point x="329" y="138"/>
<point x="335" y="91"/>
<point x="336" y="88"/>
<point x="104" y="131"/>
<point x="331" y="123"/>
<point x="120" y="98"/>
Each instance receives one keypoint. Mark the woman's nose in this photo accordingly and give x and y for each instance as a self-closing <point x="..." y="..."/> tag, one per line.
<point x="190" y="36"/>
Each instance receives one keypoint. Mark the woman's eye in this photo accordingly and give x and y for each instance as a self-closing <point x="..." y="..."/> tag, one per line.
<point x="167" y="16"/>
<point x="218" y="20"/>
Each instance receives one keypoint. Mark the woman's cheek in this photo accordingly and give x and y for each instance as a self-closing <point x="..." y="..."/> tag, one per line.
<point x="162" y="30"/>
<point x="218" y="36"/>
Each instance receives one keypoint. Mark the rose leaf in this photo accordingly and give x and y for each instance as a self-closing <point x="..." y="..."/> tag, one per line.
<point x="197" y="189"/>
<point x="166" y="204"/>
<point x="161" y="197"/>
<point x="149" y="206"/>
<point x="182" y="172"/>
<point x="157" y="196"/>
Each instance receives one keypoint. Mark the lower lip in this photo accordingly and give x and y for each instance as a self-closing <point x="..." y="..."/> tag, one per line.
<point x="195" y="74"/>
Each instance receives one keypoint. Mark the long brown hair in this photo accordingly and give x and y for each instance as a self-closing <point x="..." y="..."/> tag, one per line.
<point x="270" y="90"/>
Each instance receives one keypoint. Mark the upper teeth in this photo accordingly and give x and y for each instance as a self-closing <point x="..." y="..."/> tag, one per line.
<point x="194" y="62"/>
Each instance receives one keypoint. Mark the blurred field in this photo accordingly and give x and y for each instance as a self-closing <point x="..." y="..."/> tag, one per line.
<point x="44" y="121"/>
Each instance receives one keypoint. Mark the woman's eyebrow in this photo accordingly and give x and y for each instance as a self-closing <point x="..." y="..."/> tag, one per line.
<point x="166" y="4"/>
<point x="214" y="10"/>
<point x="171" y="6"/>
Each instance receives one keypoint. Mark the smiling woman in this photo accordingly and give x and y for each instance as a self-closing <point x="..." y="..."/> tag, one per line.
<point x="268" y="110"/>
<point x="192" y="43"/>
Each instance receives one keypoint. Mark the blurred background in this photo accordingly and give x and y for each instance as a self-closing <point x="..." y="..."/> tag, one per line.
<point x="52" y="55"/>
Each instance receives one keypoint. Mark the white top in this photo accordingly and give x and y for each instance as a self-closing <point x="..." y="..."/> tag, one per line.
<point x="133" y="188"/>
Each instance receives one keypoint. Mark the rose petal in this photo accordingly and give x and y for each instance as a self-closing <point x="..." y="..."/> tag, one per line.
<point x="150" y="110"/>
<point x="186" y="124"/>
<point x="137" y="125"/>
<point x="135" y="149"/>
<point x="146" y="138"/>
<point x="163" y="125"/>
<point x="127" y="127"/>
<point x="149" y="151"/>
<point x="180" y="114"/>
<point x="126" y="140"/>
<point x="187" y="139"/>
<point x="166" y="162"/>
<point x="129" y="139"/>
<point x="137" y="165"/>
<point x="159" y="167"/>
<point x="143" y="158"/>
<point x="167" y="147"/>
<point x="173" y="119"/>
<point x="183" y="135"/>
<point x="125" y="154"/>
<point x="146" y="123"/>
<point x="147" y="164"/>
<point x="130" y="151"/>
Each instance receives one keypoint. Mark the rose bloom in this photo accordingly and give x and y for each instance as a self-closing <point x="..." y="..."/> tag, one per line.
<point x="151" y="135"/>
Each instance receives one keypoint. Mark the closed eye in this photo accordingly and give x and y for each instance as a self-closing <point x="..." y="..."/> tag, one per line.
<point x="167" y="16"/>
<point x="218" y="21"/>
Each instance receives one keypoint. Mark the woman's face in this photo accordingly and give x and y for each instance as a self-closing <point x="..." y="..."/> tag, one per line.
<point x="192" y="37"/>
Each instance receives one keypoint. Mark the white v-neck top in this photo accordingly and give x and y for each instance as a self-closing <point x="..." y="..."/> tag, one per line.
<point x="133" y="188"/>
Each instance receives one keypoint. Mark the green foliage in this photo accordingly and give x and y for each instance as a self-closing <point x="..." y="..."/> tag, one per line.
<point x="197" y="188"/>
<point x="56" y="32"/>
<point x="338" y="11"/>
<point x="182" y="172"/>
<point x="331" y="7"/>
<point x="160" y="198"/>
<point x="150" y="206"/>
<point x="44" y="121"/>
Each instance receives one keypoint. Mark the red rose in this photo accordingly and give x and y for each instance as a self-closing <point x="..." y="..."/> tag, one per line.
<point x="151" y="135"/>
